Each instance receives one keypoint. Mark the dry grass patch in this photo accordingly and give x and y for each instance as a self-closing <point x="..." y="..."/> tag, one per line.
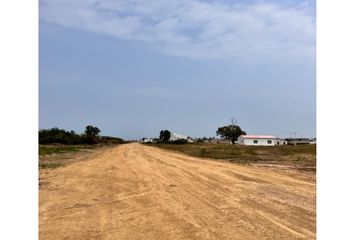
<point x="299" y="157"/>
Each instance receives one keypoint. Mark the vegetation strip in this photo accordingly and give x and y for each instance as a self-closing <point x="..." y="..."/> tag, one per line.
<point x="302" y="157"/>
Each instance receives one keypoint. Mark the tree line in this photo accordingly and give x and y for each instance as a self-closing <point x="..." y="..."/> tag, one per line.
<point x="230" y="132"/>
<point x="61" y="136"/>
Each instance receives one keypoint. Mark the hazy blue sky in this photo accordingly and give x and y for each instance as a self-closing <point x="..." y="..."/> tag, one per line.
<point x="135" y="67"/>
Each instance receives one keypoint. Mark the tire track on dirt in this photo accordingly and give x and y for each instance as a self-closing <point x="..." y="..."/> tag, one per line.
<point x="139" y="192"/>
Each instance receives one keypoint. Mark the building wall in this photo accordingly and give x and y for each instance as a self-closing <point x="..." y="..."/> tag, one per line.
<point x="175" y="136"/>
<point x="281" y="142"/>
<point x="260" y="142"/>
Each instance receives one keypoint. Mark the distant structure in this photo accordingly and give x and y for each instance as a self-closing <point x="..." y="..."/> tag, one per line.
<point x="220" y="140"/>
<point x="147" y="140"/>
<point x="204" y="140"/>
<point x="280" y="141"/>
<point x="176" y="136"/>
<point x="300" y="141"/>
<point x="258" y="140"/>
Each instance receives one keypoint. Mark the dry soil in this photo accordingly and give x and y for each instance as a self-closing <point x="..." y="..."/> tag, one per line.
<point x="135" y="191"/>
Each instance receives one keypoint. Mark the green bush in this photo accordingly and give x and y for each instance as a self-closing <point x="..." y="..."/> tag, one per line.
<point x="56" y="135"/>
<point x="179" y="141"/>
<point x="61" y="136"/>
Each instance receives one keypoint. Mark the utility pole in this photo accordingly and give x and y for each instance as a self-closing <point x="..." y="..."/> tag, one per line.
<point x="233" y="126"/>
<point x="233" y="122"/>
<point x="292" y="135"/>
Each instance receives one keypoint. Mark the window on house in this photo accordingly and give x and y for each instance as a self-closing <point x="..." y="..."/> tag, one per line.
<point x="255" y="141"/>
<point x="269" y="141"/>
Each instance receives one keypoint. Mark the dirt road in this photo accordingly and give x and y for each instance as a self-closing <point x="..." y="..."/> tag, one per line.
<point x="139" y="192"/>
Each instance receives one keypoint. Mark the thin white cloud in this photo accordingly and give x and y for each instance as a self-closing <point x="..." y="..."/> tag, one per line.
<point x="195" y="29"/>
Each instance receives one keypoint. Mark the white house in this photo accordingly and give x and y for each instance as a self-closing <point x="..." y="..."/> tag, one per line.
<point x="147" y="140"/>
<point x="280" y="141"/>
<point x="257" y="140"/>
<point x="176" y="136"/>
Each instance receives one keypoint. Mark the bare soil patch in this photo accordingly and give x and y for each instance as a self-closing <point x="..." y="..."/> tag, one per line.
<point x="135" y="191"/>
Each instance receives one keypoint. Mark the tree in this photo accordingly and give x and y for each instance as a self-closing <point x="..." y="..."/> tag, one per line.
<point x="56" y="135"/>
<point x="231" y="132"/>
<point x="165" y="135"/>
<point x="92" y="131"/>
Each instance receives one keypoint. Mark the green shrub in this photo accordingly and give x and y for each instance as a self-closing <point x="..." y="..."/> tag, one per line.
<point x="179" y="141"/>
<point x="61" y="136"/>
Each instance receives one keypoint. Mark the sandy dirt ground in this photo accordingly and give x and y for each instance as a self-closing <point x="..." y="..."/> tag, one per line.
<point x="135" y="191"/>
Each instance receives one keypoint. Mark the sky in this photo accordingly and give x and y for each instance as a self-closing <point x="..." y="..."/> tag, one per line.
<point x="133" y="67"/>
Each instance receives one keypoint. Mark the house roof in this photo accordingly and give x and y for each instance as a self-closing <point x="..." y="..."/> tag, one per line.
<point x="258" y="136"/>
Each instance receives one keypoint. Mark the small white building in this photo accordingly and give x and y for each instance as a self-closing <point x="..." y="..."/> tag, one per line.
<point x="280" y="141"/>
<point x="176" y="136"/>
<point x="257" y="140"/>
<point x="147" y="140"/>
